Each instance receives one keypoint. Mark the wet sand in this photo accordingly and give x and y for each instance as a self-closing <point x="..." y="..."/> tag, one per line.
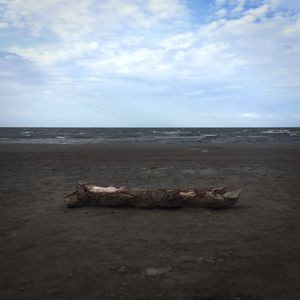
<point x="251" y="251"/>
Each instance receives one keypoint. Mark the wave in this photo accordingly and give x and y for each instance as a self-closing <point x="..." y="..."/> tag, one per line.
<point x="153" y="135"/>
<point x="26" y="133"/>
<point x="173" y="132"/>
<point x="279" y="131"/>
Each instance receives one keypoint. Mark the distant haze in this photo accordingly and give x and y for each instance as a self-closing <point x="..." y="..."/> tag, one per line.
<point x="148" y="63"/>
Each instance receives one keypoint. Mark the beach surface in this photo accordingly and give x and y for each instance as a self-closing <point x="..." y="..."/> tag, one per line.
<point x="251" y="251"/>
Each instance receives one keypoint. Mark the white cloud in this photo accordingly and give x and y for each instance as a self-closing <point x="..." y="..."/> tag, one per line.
<point x="73" y="20"/>
<point x="221" y="13"/>
<point x="93" y="45"/>
<point x="179" y="41"/>
<point x="292" y="29"/>
<point x="256" y="48"/>
<point x="250" y="115"/>
<point x="51" y="54"/>
<point x="66" y="19"/>
<point x="3" y="25"/>
<point x="232" y="48"/>
<point x="166" y="9"/>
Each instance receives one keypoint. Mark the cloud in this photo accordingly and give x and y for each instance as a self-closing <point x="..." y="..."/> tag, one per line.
<point x="224" y="47"/>
<point x="221" y="13"/>
<point x="166" y="9"/>
<point x="66" y="19"/>
<point x="179" y="41"/>
<point x="51" y="54"/>
<point x="3" y="25"/>
<point x="72" y="20"/>
<point x="250" y="115"/>
<point x="157" y="45"/>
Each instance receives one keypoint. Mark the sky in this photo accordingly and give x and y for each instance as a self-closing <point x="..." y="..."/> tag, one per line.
<point x="149" y="63"/>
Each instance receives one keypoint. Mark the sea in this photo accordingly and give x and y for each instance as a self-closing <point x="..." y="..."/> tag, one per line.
<point x="148" y="135"/>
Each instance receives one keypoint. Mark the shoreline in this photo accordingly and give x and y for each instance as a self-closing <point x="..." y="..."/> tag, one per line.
<point x="154" y="145"/>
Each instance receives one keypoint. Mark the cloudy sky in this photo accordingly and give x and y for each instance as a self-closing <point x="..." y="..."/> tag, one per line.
<point x="149" y="63"/>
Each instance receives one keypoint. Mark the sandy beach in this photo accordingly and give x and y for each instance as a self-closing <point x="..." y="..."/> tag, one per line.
<point x="251" y="251"/>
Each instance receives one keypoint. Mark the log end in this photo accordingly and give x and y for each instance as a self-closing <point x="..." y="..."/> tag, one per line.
<point x="73" y="200"/>
<point x="221" y="199"/>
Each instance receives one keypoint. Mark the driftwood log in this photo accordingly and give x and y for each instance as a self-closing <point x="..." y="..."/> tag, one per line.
<point x="218" y="197"/>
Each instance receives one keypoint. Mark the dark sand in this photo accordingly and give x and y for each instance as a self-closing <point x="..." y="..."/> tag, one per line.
<point x="50" y="252"/>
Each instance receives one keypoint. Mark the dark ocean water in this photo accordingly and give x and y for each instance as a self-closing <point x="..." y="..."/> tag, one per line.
<point x="148" y="135"/>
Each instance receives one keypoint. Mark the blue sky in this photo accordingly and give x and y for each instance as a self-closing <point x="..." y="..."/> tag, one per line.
<point x="114" y="63"/>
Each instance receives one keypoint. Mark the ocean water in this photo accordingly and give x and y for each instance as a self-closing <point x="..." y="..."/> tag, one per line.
<point x="148" y="135"/>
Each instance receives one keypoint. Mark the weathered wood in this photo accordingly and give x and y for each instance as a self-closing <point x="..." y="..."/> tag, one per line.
<point x="218" y="197"/>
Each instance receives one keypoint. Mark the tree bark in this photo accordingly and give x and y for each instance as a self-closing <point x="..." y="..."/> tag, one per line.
<point x="218" y="197"/>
